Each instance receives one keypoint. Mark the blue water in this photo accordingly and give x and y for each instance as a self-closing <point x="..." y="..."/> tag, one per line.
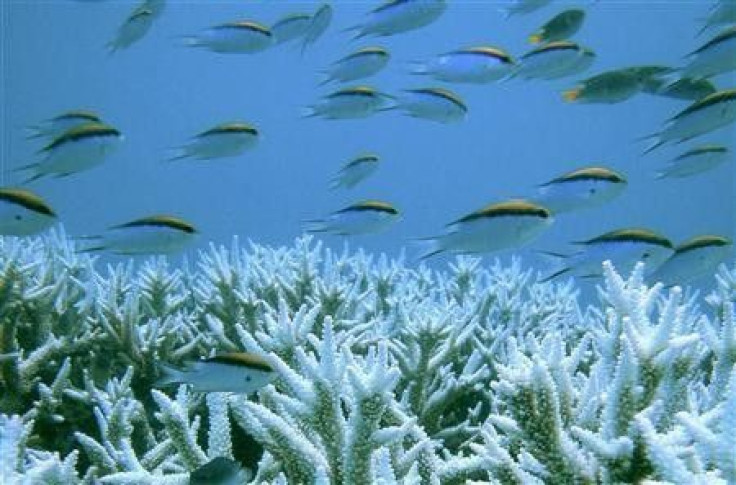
<point x="517" y="134"/>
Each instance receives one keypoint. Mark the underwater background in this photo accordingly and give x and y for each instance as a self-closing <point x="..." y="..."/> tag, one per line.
<point x="518" y="133"/>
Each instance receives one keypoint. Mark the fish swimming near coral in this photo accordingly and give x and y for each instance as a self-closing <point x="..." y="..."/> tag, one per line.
<point x="158" y="234"/>
<point x="23" y="213"/>
<point x="238" y="372"/>
<point x="364" y="217"/>
<point x="693" y="259"/>
<point x="580" y="189"/>
<point x="504" y="225"/>
<point x="219" y="471"/>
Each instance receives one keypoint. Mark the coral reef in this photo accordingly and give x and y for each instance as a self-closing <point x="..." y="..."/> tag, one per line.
<point x="386" y="373"/>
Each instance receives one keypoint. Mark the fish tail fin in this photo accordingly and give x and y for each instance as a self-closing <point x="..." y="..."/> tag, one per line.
<point x="327" y="80"/>
<point x="33" y="132"/>
<point x="315" y="225"/>
<point x="703" y="29"/>
<point x="169" y="375"/>
<point x="556" y="263"/>
<point x="554" y="275"/>
<point x="308" y="112"/>
<point x="189" y="40"/>
<point x="656" y="144"/>
<point x="336" y="183"/>
<point x="571" y="95"/>
<point x="356" y="30"/>
<point x="177" y="153"/>
<point x="33" y="178"/>
<point x="418" y="68"/>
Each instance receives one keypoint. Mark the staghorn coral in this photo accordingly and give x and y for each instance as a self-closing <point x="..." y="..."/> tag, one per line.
<point x="386" y="373"/>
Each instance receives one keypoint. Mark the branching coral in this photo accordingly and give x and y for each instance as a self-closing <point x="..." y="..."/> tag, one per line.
<point x="385" y="373"/>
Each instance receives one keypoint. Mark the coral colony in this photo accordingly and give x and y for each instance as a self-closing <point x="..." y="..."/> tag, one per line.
<point x="384" y="373"/>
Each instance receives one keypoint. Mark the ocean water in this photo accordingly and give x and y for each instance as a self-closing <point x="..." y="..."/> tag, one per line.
<point x="517" y="134"/>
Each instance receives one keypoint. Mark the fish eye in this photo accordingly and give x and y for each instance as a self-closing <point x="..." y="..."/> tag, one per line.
<point x="18" y="217"/>
<point x="592" y="191"/>
<point x="645" y="256"/>
<point x="248" y="378"/>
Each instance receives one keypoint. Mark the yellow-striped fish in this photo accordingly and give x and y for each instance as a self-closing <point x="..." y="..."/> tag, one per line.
<point x="360" y="64"/>
<point x="238" y="372"/>
<point x="224" y="140"/>
<point x="240" y="37"/>
<point x="580" y="189"/>
<point x="364" y="217"/>
<point x="23" y="213"/>
<point x="397" y="16"/>
<point x="157" y="234"/>
<point x="693" y="259"/>
<point x="482" y="64"/>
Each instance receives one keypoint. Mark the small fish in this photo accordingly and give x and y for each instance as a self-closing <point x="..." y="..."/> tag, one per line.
<point x="135" y="27"/>
<point x="608" y="87"/>
<point x="695" y="161"/>
<point x="693" y="259"/>
<point x="561" y="27"/>
<point x="237" y="372"/>
<point x="358" y="65"/>
<point x="224" y="140"/>
<point x="580" y="189"/>
<point x="353" y="102"/>
<point x="23" y="213"/>
<point x="717" y="56"/>
<point x="241" y="37"/>
<point x="482" y="64"/>
<point x="368" y="216"/>
<point x="500" y="226"/>
<point x="523" y="7"/>
<point x="291" y="27"/>
<point x="158" y="234"/>
<point x="554" y="60"/>
<point x="318" y="25"/>
<point x="57" y="125"/>
<point x="397" y="16"/>
<point x="434" y="104"/>
<point x="355" y="171"/>
<point x="77" y="149"/>
<point x="723" y="12"/>
<point x="219" y="471"/>
<point x="623" y="247"/>
<point x="703" y="116"/>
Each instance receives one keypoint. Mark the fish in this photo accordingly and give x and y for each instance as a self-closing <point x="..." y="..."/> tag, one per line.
<point x="355" y="171"/>
<point x="240" y="37"/>
<point x="708" y="114"/>
<point x="482" y="64"/>
<point x="352" y="102"/>
<point x="156" y="234"/>
<point x="23" y="213"/>
<point x="693" y="259"/>
<point x="219" y="471"/>
<point x="518" y="7"/>
<point x="436" y="104"/>
<point x="224" y="140"/>
<point x="560" y="27"/>
<point x="319" y="23"/>
<point x="56" y="126"/>
<point x="608" y="87"/>
<point x="499" y="226"/>
<point x="78" y="149"/>
<point x="133" y="29"/>
<point x="623" y="247"/>
<point x="554" y="60"/>
<point x="398" y="16"/>
<point x="685" y="88"/>
<point x="364" y="217"/>
<point x="580" y="189"/>
<point x="717" y="56"/>
<point x="237" y="372"/>
<point x="290" y="27"/>
<point x="360" y="64"/>
<point x="696" y="161"/>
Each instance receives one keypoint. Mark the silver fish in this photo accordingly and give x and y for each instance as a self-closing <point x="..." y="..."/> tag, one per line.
<point x="368" y="216"/>
<point x="77" y="149"/>
<point x="560" y="27"/>
<point x="696" y="161"/>
<point x="580" y="189"/>
<point x="708" y="114"/>
<point x="608" y="87"/>
<point x="723" y="12"/>
<point x="318" y="25"/>
<point x="360" y="64"/>
<point x="23" y="213"/>
<point x="355" y="171"/>
<point x="224" y="140"/>
<point x="623" y="247"/>
<point x="717" y="56"/>
<point x="158" y="234"/>
<point x="240" y="372"/>
<point x="291" y="27"/>
<point x="500" y="226"/>
<point x="241" y="37"/>
<point x="397" y="16"/>
<point x="133" y="29"/>
<point x="434" y="104"/>
<point x="481" y="64"/>
<point x="693" y="259"/>
<point x="353" y="102"/>
<point x="57" y="125"/>
<point x="555" y="60"/>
